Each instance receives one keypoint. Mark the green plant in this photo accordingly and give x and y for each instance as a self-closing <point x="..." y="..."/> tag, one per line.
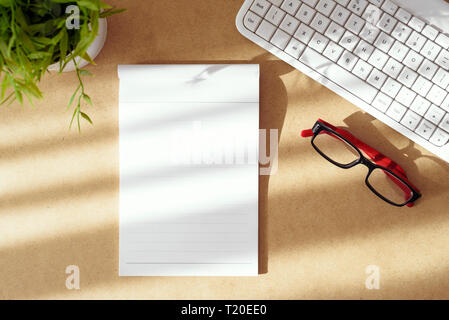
<point x="34" y="35"/>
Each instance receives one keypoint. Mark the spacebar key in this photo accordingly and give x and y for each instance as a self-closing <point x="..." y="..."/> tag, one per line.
<point x="338" y="75"/>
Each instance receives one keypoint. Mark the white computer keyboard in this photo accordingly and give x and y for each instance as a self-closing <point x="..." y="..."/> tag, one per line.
<point x="374" y="53"/>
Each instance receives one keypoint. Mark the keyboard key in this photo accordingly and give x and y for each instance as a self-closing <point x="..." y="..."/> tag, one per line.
<point x="372" y="14"/>
<point x="420" y="105"/>
<point x="425" y="129"/>
<point x="333" y="51"/>
<point x="398" y="51"/>
<point x="358" y="6"/>
<point x="445" y="104"/>
<point x="392" y="68"/>
<point x="445" y="122"/>
<point x="318" y="42"/>
<point x="407" y="77"/>
<point x="378" y="59"/>
<point x="382" y="102"/>
<point x="434" y="114"/>
<point x="396" y="111"/>
<point x="389" y="7"/>
<point x="291" y="6"/>
<point x="311" y="3"/>
<point x="369" y="33"/>
<point x="436" y="95"/>
<point x="362" y="69"/>
<point x="305" y="14"/>
<point x="391" y="87"/>
<point x="440" y="138"/>
<point x="443" y="59"/>
<point x="304" y="33"/>
<point x="411" y="120"/>
<point x="344" y="3"/>
<point x="357" y="87"/>
<point x="430" y="50"/>
<point x="413" y="60"/>
<point x="403" y="15"/>
<point x="295" y="48"/>
<point x="441" y="78"/>
<point x="386" y="23"/>
<point x="428" y="69"/>
<point x="443" y="40"/>
<point x="384" y="42"/>
<point x="376" y="2"/>
<point x="422" y="86"/>
<point x="406" y="96"/>
<point x="349" y="41"/>
<point x="266" y="30"/>
<point x="347" y="60"/>
<point x="252" y="21"/>
<point x="416" y="24"/>
<point x="260" y="7"/>
<point x="326" y="7"/>
<point x="364" y="50"/>
<point x="416" y="41"/>
<point x="334" y="32"/>
<point x="340" y="15"/>
<point x="320" y="23"/>
<point x="401" y="32"/>
<point x="275" y="15"/>
<point x="280" y="39"/>
<point x="430" y="32"/>
<point x="355" y="24"/>
<point x="277" y="3"/>
<point x="289" y="24"/>
<point x="377" y="78"/>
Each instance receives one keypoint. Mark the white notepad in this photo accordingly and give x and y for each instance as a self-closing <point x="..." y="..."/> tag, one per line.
<point x="189" y="137"/>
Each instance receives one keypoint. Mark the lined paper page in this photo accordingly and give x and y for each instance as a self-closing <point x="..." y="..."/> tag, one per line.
<point x="189" y="170"/>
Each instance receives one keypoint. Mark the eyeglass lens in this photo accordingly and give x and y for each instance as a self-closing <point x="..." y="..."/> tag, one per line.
<point x="336" y="149"/>
<point x="389" y="186"/>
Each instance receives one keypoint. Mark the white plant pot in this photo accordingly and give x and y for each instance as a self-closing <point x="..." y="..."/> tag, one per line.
<point x="93" y="50"/>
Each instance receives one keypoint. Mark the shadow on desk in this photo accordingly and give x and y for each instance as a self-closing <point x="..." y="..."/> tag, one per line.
<point x="363" y="126"/>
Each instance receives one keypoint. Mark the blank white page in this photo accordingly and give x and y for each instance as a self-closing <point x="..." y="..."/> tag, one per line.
<point x="189" y="137"/>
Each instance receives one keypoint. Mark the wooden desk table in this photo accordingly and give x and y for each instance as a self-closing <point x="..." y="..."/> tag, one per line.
<point x="320" y="226"/>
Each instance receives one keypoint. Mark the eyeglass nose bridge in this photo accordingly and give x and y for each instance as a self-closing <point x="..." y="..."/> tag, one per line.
<point x="371" y="166"/>
<point x="363" y="161"/>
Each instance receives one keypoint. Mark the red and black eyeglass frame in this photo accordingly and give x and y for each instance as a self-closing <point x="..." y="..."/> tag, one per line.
<point x="379" y="161"/>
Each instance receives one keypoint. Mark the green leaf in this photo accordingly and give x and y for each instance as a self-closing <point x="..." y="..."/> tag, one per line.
<point x="85" y="116"/>
<point x="21" y="19"/>
<point x="87" y="99"/>
<point x="104" y="5"/>
<point x="73" y="97"/>
<point x="7" y="98"/>
<point x="6" y="3"/>
<point x="86" y="57"/>
<point x="39" y="55"/>
<point x="85" y="72"/>
<point x="63" y="45"/>
<point x="73" y="117"/>
<point x="108" y="13"/>
<point x="88" y="4"/>
<point x="19" y="96"/>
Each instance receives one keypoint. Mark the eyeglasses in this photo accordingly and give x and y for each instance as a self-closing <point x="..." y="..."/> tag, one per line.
<point x="385" y="178"/>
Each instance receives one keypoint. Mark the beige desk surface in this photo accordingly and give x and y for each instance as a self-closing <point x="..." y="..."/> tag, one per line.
<point x="320" y="227"/>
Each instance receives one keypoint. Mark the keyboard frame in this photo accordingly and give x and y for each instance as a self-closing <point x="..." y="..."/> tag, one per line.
<point x="442" y="152"/>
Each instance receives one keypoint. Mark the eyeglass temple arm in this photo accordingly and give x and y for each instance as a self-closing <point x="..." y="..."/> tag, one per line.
<point x="375" y="155"/>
